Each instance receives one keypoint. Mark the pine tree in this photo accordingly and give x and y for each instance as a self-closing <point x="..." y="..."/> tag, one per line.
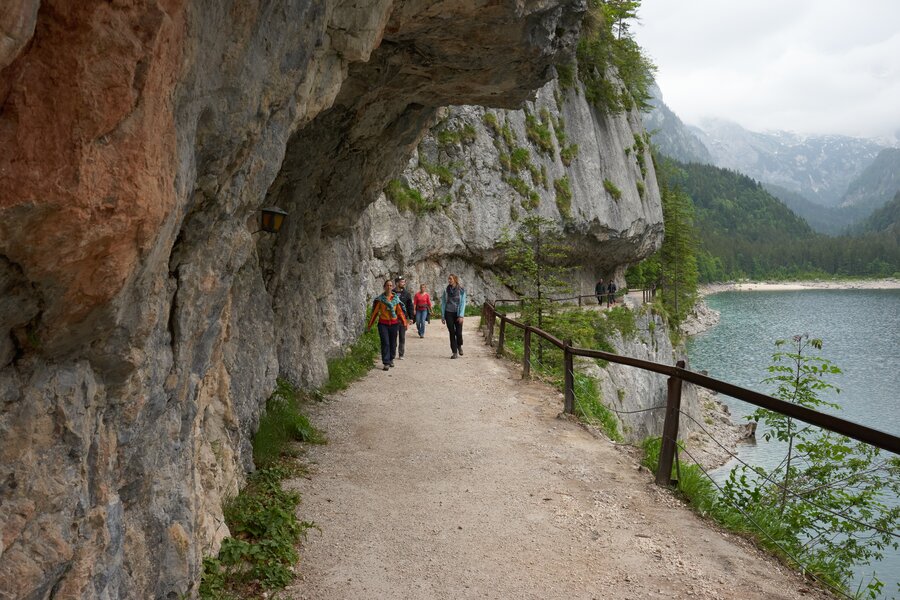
<point x="678" y="255"/>
<point x="536" y="258"/>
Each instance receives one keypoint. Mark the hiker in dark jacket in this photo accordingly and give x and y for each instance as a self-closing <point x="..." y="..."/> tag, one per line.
<point x="600" y="291"/>
<point x="407" y="302"/>
<point x="611" y="291"/>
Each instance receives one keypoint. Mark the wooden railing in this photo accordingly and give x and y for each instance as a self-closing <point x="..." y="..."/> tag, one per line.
<point x="647" y="294"/>
<point x="677" y="374"/>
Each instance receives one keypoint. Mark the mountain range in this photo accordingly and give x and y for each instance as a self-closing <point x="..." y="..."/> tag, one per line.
<point x="832" y="181"/>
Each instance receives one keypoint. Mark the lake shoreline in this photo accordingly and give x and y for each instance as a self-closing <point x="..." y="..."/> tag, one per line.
<point x="890" y="283"/>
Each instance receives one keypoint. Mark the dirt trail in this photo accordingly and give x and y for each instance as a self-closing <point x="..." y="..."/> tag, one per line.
<point x="455" y="479"/>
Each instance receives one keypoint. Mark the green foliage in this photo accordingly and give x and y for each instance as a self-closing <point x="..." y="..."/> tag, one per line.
<point x="464" y="135"/>
<point x="563" y="197"/>
<point x="611" y="188"/>
<point x="568" y="154"/>
<point x="814" y="506"/>
<point x="265" y="532"/>
<point x="588" y="329"/>
<point x="622" y="319"/>
<point x="262" y="518"/>
<point x="589" y="407"/>
<point x="519" y="159"/>
<point x="354" y="364"/>
<point x="490" y="119"/>
<point x="827" y="486"/>
<point x="535" y="261"/>
<point x="641" y="189"/>
<point x="404" y="197"/>
<point x="538" y="132"/>
<point x="565" y="75"/>
<point x="674" y="268"/>
<point x="444" y="174"/>
<point x="281" y="423"/>
<point x="606" y="47"/>
<point x="410" y="199"/>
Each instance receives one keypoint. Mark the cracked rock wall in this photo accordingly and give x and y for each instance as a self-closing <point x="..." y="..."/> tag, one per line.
<point x="142" y="321"/>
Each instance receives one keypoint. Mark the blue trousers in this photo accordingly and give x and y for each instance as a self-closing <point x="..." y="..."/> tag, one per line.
<point x="421" y="317"/>
<point x="388" y="335"/>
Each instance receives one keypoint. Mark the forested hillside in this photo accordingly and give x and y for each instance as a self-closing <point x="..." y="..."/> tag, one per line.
<point x="743" y="231"/>
<point x="885" y="220"/>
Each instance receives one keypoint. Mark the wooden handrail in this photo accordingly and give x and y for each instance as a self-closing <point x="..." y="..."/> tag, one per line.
<point x="856" y="431"/>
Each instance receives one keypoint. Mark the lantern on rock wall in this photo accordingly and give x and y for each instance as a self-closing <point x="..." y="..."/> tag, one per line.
<point x="272" y="219"/>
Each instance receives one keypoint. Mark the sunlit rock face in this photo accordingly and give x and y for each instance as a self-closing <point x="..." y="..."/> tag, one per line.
<point x="143" y="320"/>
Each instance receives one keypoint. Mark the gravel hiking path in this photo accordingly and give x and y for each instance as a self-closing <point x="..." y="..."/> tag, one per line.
<point x="447" y="479"/>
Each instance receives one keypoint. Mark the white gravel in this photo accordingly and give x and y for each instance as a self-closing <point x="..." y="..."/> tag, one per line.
<point x="447" y="479"/>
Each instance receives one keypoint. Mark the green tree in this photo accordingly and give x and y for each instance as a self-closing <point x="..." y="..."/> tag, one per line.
<point x="607" y="49"/>
<point x="536" y="258"/>
<point x="828" y="494"/>
<point x="678" y="255"/>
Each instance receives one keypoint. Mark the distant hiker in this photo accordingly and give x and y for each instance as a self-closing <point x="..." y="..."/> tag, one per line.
<point x="453" y="309"/>
<point x="611" y="293"/>
<point x="388" y="311"/>
<point x="407" y="301"/>
<point x="422" y="303"/>
<point x="600" y="290"/>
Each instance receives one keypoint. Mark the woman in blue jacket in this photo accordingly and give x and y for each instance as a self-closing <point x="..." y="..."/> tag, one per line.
<point x="453" y="309"/>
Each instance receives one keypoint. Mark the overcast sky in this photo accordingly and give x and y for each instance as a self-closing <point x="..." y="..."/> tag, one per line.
<point x="810" y="66"/>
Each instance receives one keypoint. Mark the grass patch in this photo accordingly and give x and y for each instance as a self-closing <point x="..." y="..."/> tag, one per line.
<point x="587" y="329"/>
<point x="563" y="197"/>
<point x="410" y="199"/>
<point x="519" y="159"/>
<point x="611" y="188"/>
<point x="622" y="320"/>
<point x="281" y="424"/>
<point x="642" y="189"/>
<point x="568" y="154"/>
<point x="354" y="364"/>
<point x="444" y="174"/>
<point x="265" y="531"/>
<point x="464" y="135"/>
<point x="565" y="75"/>
<point x="538" y="132"/>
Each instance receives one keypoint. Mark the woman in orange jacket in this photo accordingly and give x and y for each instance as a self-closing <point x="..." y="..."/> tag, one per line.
<point x="388" y="311"/>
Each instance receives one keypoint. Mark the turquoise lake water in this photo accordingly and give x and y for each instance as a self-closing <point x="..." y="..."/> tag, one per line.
<point x="860" y="331"/>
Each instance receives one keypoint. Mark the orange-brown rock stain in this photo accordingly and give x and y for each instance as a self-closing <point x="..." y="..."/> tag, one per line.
<point x="87" y="148"/>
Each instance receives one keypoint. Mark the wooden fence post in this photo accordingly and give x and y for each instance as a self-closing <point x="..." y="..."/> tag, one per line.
<point x="502" y="335"/>
<point x="491" y="328"/>
<point x="569" y="379"/>
<point x="579" y="299"/>
<point x="526" y="372"/>
<point x="670" y="430"/>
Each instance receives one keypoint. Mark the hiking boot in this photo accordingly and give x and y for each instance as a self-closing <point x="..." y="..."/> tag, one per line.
<point x="390" y="364"/>
<point x="454" y="355"/>
<point x="460" y="351"/>
<point x="385" y="368"/>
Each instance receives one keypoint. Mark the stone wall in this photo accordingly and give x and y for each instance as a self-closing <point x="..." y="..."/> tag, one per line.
<point x="143" y="322"/>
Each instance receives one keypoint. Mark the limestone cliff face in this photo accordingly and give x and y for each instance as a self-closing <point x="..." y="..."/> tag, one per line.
<point x="482" y="170"/>
<point x="142" y="322"/>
